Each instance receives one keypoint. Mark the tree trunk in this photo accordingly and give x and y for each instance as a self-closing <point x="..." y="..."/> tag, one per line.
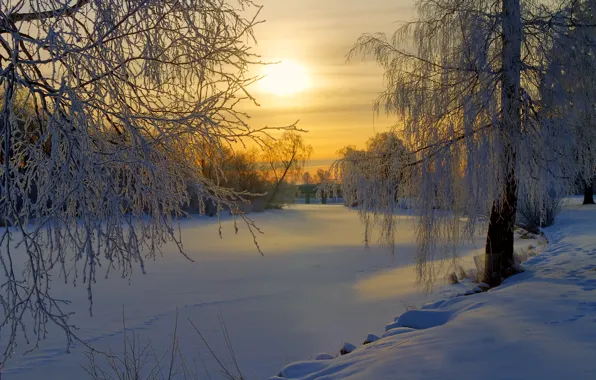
<point x="499" y="240"/>
<point x="588" y="193"/>
<point x="499" y="262"/>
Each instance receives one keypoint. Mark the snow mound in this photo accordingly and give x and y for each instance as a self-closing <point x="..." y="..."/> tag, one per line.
<point x="371" y="338"/>
<point x="397" y="331"/>
<point x="347" y="348"/>
<point x="300" y="369"/>
<point x="392" y="325"/>
<point x="422" y="319"/>
<point x="324" y="356"/>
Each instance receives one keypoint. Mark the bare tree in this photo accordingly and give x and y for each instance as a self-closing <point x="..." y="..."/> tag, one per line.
<point x="323" y="175"/>
<point x="117" y="99"/>
<point x="468" y="98"/>
<point x="307" y="178"/>
<point x="284" y="160"/>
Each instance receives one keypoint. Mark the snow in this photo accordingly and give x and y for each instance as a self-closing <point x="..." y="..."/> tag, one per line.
<point x="347" y="348"/>
<point x="394" y="330"/>
<point x="315" y="288"/>
<point x="540" y="324"/>
<point x="371" y="338"/>
<point x="324" y="356"/>
<point x="422" y="319"/>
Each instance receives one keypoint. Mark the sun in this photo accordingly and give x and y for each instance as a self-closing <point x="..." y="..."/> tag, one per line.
<point x="285" y="78"/>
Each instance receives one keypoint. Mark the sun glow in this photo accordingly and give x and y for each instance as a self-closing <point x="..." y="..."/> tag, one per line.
<point x="285" y="78"/>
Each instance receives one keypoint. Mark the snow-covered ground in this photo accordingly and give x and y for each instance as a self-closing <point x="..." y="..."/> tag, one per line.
<point x="314" y="288"/>
<point x="540" y="324"/>
<point x="317" y="288"/>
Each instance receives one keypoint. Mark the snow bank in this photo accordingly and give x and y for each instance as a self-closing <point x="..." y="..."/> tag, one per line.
<point x="422" y="319"/>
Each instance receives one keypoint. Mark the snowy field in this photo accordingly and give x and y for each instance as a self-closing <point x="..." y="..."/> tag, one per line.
<point x="314" y="288"/>
<point x="540" y="324"/>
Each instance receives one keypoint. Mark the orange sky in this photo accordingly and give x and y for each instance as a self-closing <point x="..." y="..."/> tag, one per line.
<point x="336" y="108"/>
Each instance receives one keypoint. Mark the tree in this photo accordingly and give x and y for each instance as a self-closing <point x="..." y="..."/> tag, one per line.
<point x="323" y="175"/>
<point x="307" y="178"/>
<point x="237" y="170"/>
<point x="284" y="159"/>
<point x="372" y="179"/>
<point x="123" y="95"/>
<point x="388" y="152"/>
<point x="569" y="88"/>
<point x="351" y="174"/>
<point x="588" y="193"/>
<point x="468" y="101"/>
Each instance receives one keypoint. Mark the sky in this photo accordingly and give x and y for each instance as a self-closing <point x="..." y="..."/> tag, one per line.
<point x="333" y="98"/>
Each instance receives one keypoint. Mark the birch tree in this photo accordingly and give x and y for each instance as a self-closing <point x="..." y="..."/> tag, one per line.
<point x="105" y="107"/>
<point x="464" y="81"/>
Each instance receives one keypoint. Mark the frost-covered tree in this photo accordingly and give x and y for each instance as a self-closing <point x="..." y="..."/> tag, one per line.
<point x="464" y="80"/>
<point x="569" y="89"/>
<point x="350" y="173"/>
<point x="372" y="179"/>
<point x="387" y="151"/>
<point x="106" y="107"/>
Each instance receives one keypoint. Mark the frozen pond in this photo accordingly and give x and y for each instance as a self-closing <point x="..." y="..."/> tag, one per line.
<point x="315" y="287"/>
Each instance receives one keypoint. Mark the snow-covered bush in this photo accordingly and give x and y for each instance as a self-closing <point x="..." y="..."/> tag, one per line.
<point x="534" y="214"/>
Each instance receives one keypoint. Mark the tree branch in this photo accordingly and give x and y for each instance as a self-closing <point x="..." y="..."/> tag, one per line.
<point x="31" y="16"/>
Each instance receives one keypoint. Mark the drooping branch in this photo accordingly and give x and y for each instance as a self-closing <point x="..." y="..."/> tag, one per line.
<point x="470" y="146"/>
<point x="103" y="140"/>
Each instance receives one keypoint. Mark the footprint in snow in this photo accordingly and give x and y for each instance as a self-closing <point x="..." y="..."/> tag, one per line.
<point x="575" y="318"/>
<point x="587" y="306"/>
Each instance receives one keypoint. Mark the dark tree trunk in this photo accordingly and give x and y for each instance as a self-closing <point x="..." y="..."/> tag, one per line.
<point x="499" y="263"/>
<point x="499" y="241"/>
<point x="588" y="193"/>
